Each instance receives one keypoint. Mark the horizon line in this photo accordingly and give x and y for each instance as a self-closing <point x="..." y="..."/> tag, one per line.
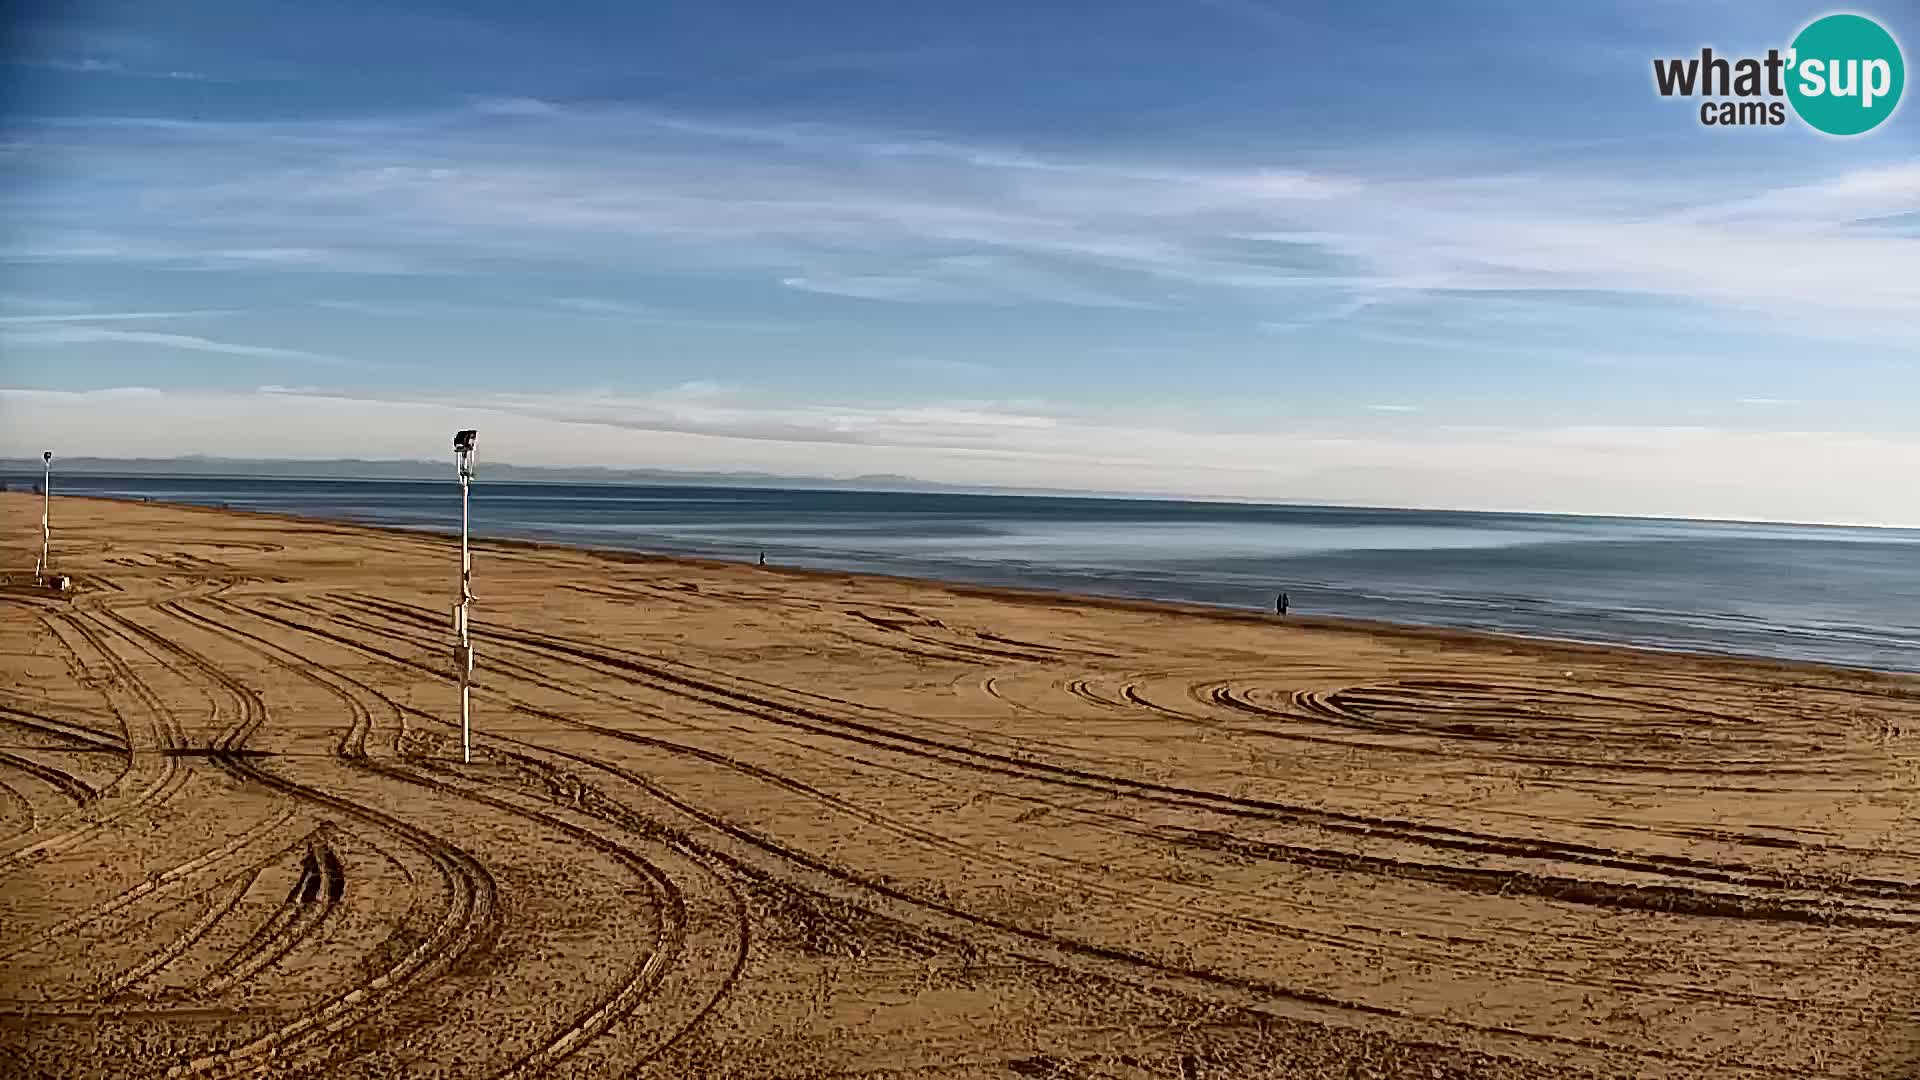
<point x="915" y="485"/>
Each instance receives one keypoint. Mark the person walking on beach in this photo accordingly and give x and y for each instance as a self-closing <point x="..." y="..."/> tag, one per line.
<point x="763" y="558"/>
<point x="1280" y="604"/>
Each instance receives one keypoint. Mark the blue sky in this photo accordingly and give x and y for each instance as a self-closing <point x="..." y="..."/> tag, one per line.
<point x="1396" y="253"/>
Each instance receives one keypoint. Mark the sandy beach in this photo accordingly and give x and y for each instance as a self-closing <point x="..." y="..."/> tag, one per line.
<point x="739" y="821"/>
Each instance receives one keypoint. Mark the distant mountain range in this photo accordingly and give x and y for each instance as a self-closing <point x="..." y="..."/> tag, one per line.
<point x="358" y="469"/>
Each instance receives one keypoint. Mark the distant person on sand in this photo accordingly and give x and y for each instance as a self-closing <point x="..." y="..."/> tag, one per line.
<point x="1280" y="604"/>
<point x="763" y="558"/>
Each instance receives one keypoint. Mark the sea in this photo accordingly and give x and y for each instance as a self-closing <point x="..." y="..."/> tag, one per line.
<point x="1835" y="594"/>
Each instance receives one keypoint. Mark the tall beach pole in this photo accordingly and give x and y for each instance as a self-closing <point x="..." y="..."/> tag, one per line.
<point x="462" y="628"/>
<point x="46" y="511"/>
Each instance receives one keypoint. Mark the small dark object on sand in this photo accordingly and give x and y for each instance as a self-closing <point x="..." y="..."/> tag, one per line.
<point x="763" y="558"/>
<point x="1280" y="604"/>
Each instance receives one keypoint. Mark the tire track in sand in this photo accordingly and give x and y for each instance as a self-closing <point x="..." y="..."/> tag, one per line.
<point x="1025" y="936"/>
<point x="627" y="997"/>
<point x="465" y="924"/>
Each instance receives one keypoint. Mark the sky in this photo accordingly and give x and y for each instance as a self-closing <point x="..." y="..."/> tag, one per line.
<point x="1405" y="254"/>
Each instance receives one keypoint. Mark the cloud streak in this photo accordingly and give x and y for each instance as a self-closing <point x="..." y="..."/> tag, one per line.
<point x="875" y="216"/>
<point x="101" y="316"/>
<point x="95" y="335"/>
<point x="87" y="65"/>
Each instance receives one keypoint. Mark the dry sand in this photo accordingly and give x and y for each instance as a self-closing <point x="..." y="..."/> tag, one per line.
<point x="731" y="821"/>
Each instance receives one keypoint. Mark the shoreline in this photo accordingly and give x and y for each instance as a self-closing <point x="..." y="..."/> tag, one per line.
<point x="1573" y="648"/>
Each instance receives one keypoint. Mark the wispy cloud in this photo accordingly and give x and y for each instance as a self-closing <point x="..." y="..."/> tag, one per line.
<point x="975" y="279"/>
<point x="564" y="307"/>
<point x="142" y="243"/>
<point x="876" y="216"/>
<point x="515" y="106"/>
<point x="1394" y="408"/>
<point x="348" y="260"/>
<point x="101" y="316"/>
<point x="81" y="64"/>
<point x="866" y="286"/>
<point x="594" y="305"/>
<point x="100" y="65"/>
<point x="1343" y="309"/>
<point x="95" y="335"/>
<point x="39" y="303"/>
<point x="627" y="311"/>
<point x="375" y="308"/>
<point x="1870" y="193"/>
<point x="702" y="407"/>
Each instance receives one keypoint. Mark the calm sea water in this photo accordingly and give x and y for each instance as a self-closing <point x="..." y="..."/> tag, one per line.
<point x="1841" y="595"/>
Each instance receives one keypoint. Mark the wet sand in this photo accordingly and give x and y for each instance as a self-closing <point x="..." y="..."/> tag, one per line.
<point x="737" y="821"/>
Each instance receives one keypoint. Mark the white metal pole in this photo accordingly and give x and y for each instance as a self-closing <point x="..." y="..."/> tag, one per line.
<point x="462" y="625"/>
<point x="466" y="631"/>
<point x="46" y="510"/>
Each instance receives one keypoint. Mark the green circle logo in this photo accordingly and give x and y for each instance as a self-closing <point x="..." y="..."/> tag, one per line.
<point x="1846" y="74"/>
